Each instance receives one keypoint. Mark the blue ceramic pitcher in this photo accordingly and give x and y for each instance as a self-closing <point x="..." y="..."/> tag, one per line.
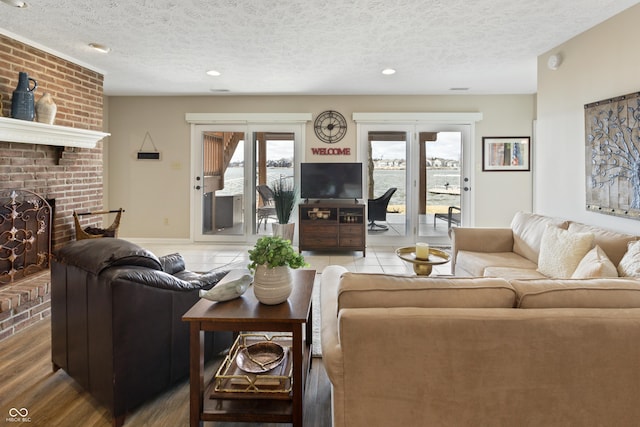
<point x="23" y="102"/>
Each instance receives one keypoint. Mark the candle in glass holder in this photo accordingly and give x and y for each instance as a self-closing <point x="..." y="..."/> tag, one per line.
<point x="422" y="250"/>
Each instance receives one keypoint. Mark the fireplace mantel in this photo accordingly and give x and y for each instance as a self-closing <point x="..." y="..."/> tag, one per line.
<point x="14" y="130"/>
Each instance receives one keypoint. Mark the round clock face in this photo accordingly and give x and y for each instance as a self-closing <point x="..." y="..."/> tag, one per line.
<point x="330" y="126"/>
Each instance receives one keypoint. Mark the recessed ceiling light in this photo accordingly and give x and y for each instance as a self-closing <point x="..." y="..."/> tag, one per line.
<point x="100" y="47"/>
<point x="219" y="90"/>
<point x="388" y="71"/>
<point x="214" y="73"/>
<point x="15" y="3"/>
<point x="459" y="88"/>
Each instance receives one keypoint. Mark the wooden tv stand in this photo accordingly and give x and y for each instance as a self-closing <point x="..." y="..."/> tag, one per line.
<point x="332" y="226"/>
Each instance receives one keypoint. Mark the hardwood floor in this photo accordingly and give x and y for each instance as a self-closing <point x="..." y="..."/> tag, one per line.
<point x="54" y="399"/>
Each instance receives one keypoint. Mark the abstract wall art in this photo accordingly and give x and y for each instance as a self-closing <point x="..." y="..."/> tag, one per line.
<point x="506" y="153"/>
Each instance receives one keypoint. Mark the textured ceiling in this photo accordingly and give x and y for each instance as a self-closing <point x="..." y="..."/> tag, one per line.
<point x="164" y="47"/>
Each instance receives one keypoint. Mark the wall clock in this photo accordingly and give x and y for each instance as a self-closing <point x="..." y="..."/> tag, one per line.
<point x="330" y="126"/>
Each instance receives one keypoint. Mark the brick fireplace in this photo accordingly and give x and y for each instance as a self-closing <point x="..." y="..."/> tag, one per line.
<point x="72" y="176"/>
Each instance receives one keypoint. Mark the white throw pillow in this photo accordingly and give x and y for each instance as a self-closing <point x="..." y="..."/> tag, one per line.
<point x="562" y="251"/>
<point x="595" y="264"/>
<point x="630" y="263"/>
<point x="528" y="229"/>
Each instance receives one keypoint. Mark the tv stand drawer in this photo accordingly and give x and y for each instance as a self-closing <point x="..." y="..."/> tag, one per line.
<point x="351" y="242"/>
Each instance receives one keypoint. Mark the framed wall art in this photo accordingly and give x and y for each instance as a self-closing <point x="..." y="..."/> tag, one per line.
<point x="612" y="133"/>
<point x="506" y="153"/>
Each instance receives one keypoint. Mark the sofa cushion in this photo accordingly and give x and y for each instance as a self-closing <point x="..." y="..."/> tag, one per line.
<point x="362" y="290"/>
<point x="153" y="278"/>
<point x="562" y="251"/>
<point x="595" y="264"/>
<point x="630" y="263"/>
<point x="527" y="233"/>
<point x="576" y="293"/>
<point x="476" y="262"/>
<point x="95" y="255"/>
<point x="613" y="244"/>
<point x="510" y="273"/>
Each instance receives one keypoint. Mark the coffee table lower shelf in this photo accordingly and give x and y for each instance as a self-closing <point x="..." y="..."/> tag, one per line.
<point x="232" y="382"/>
<point x="248" y="406"/>
<point x="246" y="410"/>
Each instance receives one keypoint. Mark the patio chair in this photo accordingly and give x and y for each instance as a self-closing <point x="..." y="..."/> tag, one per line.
<point x="377" y="209"/>
<point x="268" y="209"/>
<point x="451" y="217"/>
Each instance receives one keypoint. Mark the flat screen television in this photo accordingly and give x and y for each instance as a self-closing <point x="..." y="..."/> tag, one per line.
<point x="331" y="180"/>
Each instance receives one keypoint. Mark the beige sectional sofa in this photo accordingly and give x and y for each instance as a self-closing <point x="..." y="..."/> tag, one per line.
<point x="483" y="351"/>
<point x="514" y="252"/>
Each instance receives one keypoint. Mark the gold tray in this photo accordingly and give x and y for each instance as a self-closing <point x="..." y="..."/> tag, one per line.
<point x="436" y="256"/>
<point x="422" y="267"/>
<point x="231" y="381"/>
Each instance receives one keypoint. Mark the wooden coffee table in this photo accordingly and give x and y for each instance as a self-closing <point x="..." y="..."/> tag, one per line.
<point x="247" y="314"/>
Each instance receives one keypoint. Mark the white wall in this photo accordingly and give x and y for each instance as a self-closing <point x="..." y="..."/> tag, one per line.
<point x="153" y="190"/>
<point x="598" y="64"/>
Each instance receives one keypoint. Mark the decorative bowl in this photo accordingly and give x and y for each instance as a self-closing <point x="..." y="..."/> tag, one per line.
<point x="260" y="357"/>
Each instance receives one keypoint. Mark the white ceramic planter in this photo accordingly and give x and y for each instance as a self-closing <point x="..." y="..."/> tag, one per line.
<point x="272" y="285"/>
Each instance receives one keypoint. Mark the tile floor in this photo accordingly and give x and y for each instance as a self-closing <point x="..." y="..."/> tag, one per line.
<point x="204" y="257"/>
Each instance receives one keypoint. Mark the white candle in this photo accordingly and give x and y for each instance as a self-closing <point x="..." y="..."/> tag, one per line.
<point x="422" y="250"/>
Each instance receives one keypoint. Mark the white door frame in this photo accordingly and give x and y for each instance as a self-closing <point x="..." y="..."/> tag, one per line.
<point x="247" y="123"/>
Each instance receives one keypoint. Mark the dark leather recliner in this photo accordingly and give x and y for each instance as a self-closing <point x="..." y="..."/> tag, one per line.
<point x="116" y="320"/>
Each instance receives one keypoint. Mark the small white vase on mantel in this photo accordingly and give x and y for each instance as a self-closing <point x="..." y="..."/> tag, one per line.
<point x="272" y="286"/>
<point x="46" y="109"/>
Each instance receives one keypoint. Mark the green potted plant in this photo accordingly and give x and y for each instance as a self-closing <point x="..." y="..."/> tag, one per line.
<point x="271" y="260"/>
<point x="274" y="251"/>
<point x="285" y="196"/>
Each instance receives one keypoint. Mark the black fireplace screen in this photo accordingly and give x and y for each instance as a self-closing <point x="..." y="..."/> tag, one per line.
<point x="25" y="234"/>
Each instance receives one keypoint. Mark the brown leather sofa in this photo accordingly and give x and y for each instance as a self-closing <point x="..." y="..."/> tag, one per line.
<point x="116" y="323"/>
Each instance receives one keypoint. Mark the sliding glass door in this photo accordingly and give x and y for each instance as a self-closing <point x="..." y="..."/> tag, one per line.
<point x="275" y="162"/>
<point x="220" y="182"/>
<point x="439" y="183"/>
<point x="423" y="167"/>
<point x="387" y="174"/>
<point x="234" y="169"/>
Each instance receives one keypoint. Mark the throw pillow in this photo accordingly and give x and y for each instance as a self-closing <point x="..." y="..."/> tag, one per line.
<point x="612" y="243"/>
<point x="595" y="264"/>
<point x="528" y="229"/>
<point x="630" y="263"/>
<point x="562" y="251"/>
